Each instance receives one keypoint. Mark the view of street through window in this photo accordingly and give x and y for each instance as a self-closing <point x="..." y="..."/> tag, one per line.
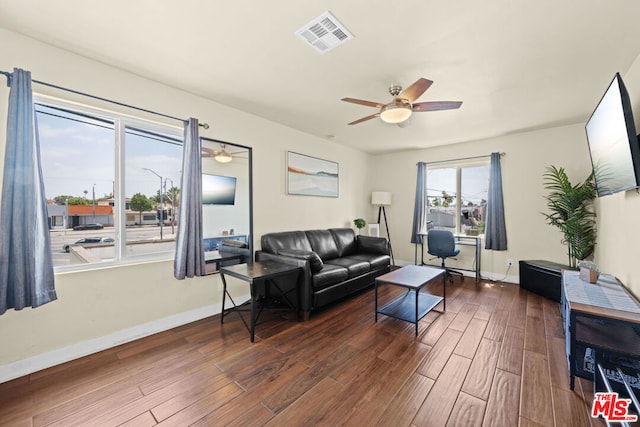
<point x="456" y="210"/>
<point x="79" y="155"/>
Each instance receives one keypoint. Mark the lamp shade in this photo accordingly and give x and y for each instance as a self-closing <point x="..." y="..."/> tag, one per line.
<point x="381" y="198"/>
<point x="396" y="112"/>
<point x="223" y="157"/>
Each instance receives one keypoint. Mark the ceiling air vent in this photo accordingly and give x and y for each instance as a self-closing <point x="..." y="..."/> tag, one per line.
<point x="324" y="33"/>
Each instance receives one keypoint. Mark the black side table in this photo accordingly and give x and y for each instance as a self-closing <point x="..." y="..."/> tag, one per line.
<point x="259" y="275"/>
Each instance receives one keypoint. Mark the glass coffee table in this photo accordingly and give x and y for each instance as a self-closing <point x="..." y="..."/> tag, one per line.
<point x="260" y="276"/>
<point x="412" y="305"/>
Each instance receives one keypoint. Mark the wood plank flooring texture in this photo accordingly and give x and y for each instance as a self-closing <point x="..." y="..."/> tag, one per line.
<point x="495" y="358"/>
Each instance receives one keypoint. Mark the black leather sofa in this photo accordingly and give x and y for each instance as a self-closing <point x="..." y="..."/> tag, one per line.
<point x="335" y="262"/>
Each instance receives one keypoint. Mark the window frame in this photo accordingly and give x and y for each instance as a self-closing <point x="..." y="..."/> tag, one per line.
<point x="121" y="122"/>
<point x="458" y="166"/>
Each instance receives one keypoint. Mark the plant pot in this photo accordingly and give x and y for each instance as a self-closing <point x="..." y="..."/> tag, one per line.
<point x="588" y="275"/>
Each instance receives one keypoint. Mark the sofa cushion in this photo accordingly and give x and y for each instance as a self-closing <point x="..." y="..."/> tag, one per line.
<point x="314" y="260"/>
<point x="273" y="242"/>
<point x="373" y="245"/>
<point x="345" y="240"/>
<point x="322" y="243"/>
<point x="328" y="276"/>
<point x="375" y="260"/>
<point x="355" y="267"/>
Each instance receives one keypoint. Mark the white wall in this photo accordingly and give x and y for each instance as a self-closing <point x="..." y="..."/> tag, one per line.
<point x="102" y="307"/>
<point x="526" y="156"/>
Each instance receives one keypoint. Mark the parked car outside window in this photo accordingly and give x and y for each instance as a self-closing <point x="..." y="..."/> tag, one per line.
<point x="88" y="241"/>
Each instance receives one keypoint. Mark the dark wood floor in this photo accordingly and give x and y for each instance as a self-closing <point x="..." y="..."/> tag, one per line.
<point x="496" y="357"/>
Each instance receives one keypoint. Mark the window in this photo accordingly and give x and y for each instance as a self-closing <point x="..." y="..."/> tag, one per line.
<point x="457" y="197"/>
<point x="82" y="151"/>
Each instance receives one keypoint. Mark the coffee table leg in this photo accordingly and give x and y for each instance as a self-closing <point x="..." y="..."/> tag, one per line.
<point x="417" y="292"/>
<point x="376" y="299"/>
<point x="224" y="294"/>
<point x="444" y="292"/>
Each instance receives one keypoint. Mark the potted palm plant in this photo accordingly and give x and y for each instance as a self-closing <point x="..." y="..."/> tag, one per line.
<point x="571" y="210"/>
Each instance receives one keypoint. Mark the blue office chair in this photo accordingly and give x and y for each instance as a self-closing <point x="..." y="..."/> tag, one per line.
<point x="442" y="244"/>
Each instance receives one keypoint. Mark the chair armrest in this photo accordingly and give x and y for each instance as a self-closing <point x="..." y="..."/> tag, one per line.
<point x="373" y="245"/>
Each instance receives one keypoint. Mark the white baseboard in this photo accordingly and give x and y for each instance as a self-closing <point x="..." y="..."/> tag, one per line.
<point x="501" y="277"/>
<point x="75" y="351"/>
<point x="484" y="274"/>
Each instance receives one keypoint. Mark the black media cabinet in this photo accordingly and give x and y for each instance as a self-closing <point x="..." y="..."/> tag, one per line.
<point x="542" y="277"/>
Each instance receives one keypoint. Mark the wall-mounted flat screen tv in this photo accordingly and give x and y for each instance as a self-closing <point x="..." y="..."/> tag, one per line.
<point x="218" y="190"/>
<point x="613" y="143"/>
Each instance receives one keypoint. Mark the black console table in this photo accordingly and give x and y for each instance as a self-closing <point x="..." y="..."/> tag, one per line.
<point x="598" y="318"/>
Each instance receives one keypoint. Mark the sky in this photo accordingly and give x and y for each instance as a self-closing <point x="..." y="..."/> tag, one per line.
<point x="475" y="182"/>
<point x="78" y="154"/>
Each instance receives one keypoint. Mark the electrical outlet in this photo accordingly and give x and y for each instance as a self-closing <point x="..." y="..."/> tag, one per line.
<point x="509" y="262"/>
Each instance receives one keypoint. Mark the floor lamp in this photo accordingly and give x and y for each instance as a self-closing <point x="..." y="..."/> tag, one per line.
<point x="382" y="199"/>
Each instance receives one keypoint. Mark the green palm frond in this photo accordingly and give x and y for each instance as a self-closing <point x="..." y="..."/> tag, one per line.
<point x="571" y="211"/>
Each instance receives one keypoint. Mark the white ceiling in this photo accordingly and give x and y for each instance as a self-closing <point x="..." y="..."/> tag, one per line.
<point x="516" y="64"/>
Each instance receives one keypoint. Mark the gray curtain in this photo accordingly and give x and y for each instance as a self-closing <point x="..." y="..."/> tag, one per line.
<point x="420" y="206"/>
<point x="189" y="260"/>
<point x="26" y="265"/>
<point x="495" y="229"/>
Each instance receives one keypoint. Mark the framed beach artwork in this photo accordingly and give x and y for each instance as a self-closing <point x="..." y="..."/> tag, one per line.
<point x="310" y="176"/>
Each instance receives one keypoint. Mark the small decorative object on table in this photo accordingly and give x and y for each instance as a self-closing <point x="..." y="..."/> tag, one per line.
<point x="359" y="223"/>
<point x="589" y="272"/>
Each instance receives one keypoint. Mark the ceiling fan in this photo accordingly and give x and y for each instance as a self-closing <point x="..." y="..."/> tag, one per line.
<point x="222" y="155"/>
<point x="402" y="106"/>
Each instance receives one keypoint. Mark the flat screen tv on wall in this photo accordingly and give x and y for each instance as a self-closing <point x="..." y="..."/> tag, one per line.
<point x="613" y="143"/>
<point x="218" y="190"/>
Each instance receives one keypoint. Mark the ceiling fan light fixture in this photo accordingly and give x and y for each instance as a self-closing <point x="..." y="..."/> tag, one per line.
<point x="396" y="112"/>
<point x="223" y="157"/>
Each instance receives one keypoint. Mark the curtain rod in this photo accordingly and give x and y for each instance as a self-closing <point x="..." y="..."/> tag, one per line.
<point x="9" y="76"/>
<point x="461" y="158"/>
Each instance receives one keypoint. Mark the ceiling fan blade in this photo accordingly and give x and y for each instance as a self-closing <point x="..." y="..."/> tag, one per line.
<point x="414" y="91"/>
<point x="362" y="102"/>
<point x="436" y="106"/>
<point x="364" y="119"/>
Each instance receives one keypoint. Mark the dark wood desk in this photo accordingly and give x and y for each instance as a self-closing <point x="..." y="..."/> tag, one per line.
<point x="413" y="305"/>
<point x="259" y="275"/>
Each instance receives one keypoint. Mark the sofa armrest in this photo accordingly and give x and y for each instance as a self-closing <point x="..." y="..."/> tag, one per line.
<point x="315" y="262"/>
<point x="304" y="279"/>
<point x="373" y="245"/>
